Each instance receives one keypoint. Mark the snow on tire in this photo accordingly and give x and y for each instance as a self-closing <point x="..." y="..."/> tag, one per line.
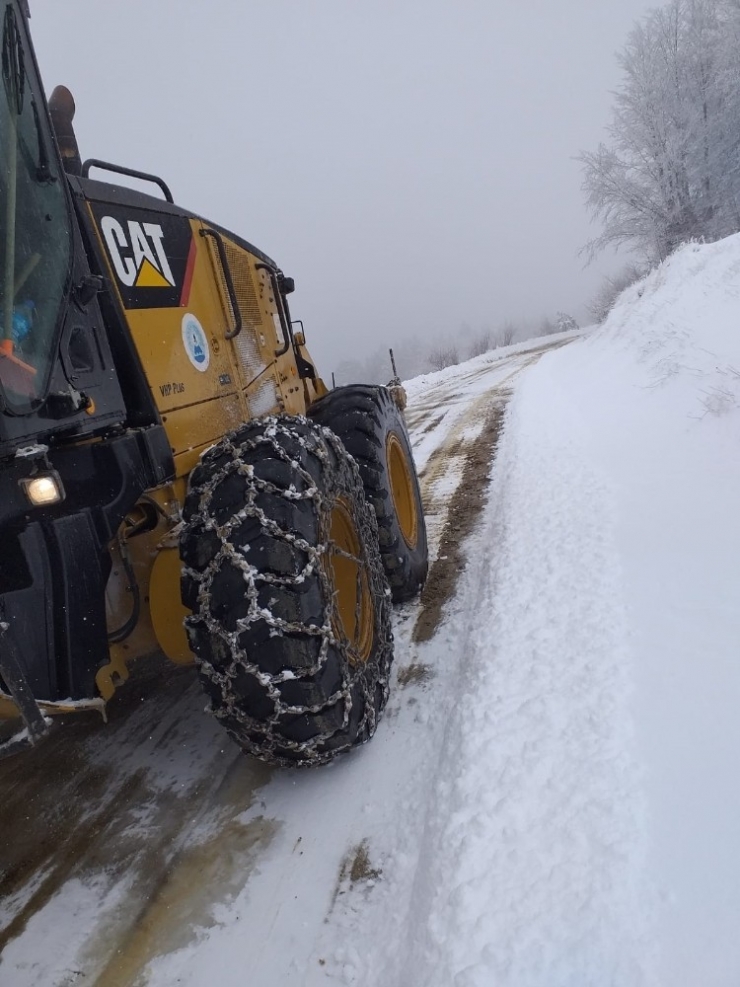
<point x="368" y="421"/>
<point x="290" y="619"/>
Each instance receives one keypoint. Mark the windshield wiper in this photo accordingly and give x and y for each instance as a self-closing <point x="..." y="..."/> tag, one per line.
<point x="14" y="69"/>
<point x="14" y="79"/>
<point x="43" y="172"/>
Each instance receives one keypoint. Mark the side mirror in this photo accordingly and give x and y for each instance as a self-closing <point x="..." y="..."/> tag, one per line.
<point x="87" y="288"/>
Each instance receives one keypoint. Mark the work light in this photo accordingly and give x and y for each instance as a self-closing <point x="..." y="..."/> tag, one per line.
<point x="43" y="489"/>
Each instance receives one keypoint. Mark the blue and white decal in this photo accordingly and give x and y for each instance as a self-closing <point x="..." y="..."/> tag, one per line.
<point x="195" y="342"/>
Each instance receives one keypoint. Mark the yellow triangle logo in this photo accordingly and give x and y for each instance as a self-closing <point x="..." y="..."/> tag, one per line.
<point x="149" y="277"/>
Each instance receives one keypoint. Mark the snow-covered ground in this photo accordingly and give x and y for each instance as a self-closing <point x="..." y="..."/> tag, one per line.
<point x="551" y="799"/>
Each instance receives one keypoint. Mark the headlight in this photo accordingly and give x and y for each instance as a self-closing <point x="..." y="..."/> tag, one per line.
<point x="43" y="489"/>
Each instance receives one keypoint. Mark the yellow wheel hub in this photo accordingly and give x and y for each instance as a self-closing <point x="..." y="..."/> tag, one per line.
<point x="354" y="603"/>
<point x="402" y="490"/>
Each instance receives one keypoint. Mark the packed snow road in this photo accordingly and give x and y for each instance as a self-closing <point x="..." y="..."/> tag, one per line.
<point x="149" y="851"/>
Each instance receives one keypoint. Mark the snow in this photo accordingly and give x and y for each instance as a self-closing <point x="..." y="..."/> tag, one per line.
<point x="670" y="456"/>
<point x="59" y="933"/>
<point x="551" y="797"/>
<point x="537" y="805"/>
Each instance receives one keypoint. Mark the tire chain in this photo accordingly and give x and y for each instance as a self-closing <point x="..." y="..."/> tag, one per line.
<point x="360" y="679"/>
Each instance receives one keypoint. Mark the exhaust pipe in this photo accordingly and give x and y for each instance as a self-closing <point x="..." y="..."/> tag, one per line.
<point x="62" y="111"/>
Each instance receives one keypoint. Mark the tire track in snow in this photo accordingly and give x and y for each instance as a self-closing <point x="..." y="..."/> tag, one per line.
<point x="441" y="472"/>
<point x="441" y="399"/>
<point x="462" y="513"/>
<point x="454" y="477"/>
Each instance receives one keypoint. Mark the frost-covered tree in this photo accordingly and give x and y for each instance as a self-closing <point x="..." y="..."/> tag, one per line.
<point x="671" y="169"/>
<point x="565" y="322"/>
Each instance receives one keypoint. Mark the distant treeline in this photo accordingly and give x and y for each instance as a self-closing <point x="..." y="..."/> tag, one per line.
<point x="414" y="356"/>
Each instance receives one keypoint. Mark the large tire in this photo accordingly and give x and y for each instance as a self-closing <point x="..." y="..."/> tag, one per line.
<point x="290" y="607"/>
<point x="371" y="426"/>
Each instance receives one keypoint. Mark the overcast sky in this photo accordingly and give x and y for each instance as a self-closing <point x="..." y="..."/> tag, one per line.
<point x="408" y="162"/>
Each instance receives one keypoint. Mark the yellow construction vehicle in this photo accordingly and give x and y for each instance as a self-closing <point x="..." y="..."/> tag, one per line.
<point x="174" y="474"/>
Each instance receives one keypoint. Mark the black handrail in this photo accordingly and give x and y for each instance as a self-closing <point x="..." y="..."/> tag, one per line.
<point x="280" y="304"/>
<point x="227" y="278"/>
<point x="131" y="172"/>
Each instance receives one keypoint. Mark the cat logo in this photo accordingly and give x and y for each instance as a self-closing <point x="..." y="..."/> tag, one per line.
<point x="152" y="254"/>
<point x="137" y="253"/>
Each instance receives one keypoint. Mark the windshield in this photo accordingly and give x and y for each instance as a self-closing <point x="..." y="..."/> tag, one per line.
<point x="35" y="236"/>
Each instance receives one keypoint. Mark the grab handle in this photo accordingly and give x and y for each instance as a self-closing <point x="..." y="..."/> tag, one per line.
<point x="227" y="278"/>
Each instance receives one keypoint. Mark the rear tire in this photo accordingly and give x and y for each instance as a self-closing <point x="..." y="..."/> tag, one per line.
<point x="290" y="608"/>
<point x="368" y="421"/>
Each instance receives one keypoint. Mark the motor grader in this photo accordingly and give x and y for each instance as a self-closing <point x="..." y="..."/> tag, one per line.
<point x="174" y="475"/>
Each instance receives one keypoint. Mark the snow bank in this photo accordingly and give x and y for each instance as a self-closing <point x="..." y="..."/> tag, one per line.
<point x="655" y="396"/>
<point x="614" y="539"/>
<point x="679" y="329"/>
<point x="584" y="825"/>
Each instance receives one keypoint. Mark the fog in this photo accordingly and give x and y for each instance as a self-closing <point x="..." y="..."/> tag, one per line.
<point x="410" y="164"/>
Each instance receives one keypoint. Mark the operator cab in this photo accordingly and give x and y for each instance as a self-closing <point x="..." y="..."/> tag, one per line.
<point x="57" y="378"/>
<point x="35" y="248"/>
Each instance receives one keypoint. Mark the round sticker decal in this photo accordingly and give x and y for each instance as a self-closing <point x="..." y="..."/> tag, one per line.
<point x="195" y="342"/>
